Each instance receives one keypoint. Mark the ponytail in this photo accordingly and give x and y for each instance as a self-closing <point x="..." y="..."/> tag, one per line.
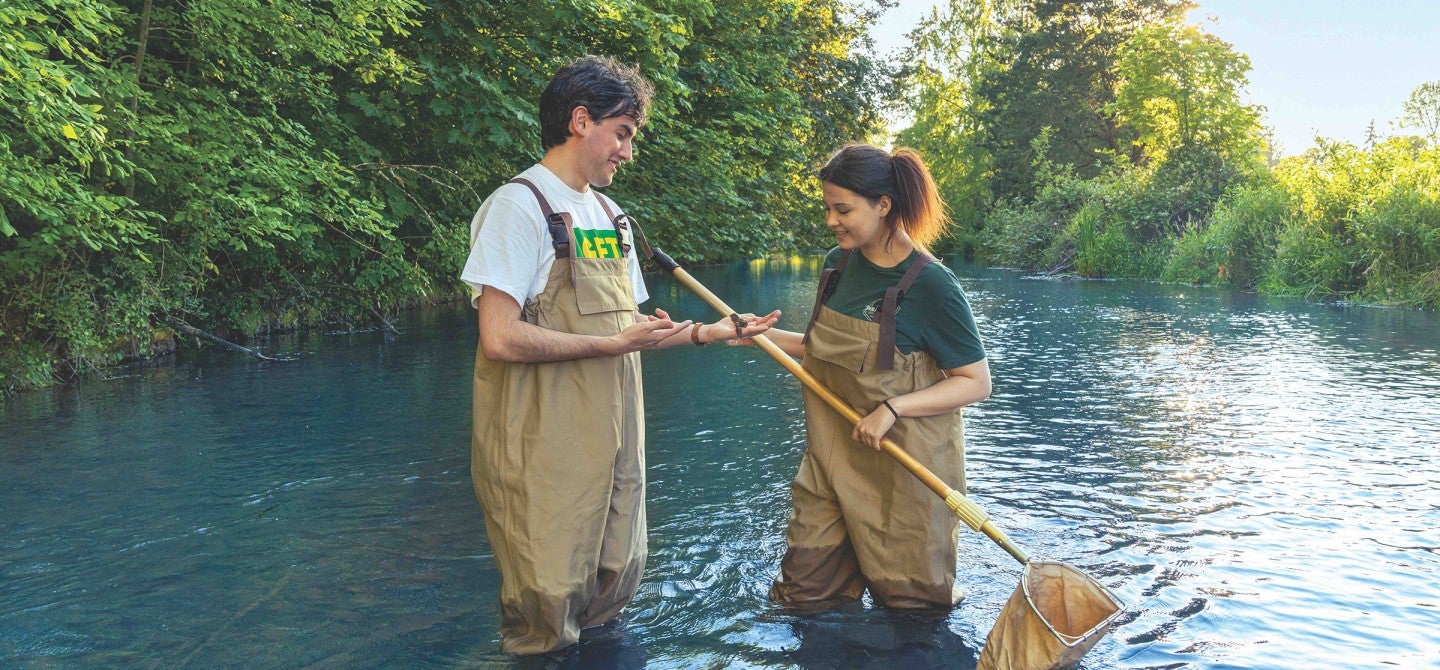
<point x="917" y="206"/>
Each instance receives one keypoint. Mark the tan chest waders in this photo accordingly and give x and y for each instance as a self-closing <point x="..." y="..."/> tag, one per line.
<point x="558" y="457"/>
<point x="860" y="520"/>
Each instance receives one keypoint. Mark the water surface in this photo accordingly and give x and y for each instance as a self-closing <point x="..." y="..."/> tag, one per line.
<point x="1255" y="478"/>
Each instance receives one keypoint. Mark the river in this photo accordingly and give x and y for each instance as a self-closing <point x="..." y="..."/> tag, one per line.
<point x="1257" y="479"/>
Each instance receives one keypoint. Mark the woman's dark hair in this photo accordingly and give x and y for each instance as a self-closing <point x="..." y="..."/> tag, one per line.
<point x="604" y="86"/>
<point x="870" y="171"/>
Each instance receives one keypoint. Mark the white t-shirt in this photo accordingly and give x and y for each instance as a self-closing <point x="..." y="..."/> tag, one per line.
<point x="510" y="247"/>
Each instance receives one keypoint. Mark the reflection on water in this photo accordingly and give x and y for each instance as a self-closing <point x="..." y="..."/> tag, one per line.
<point x="1254" y="477"/>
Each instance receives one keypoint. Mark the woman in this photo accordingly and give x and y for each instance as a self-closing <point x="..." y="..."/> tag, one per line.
<point x="891" y="334"/>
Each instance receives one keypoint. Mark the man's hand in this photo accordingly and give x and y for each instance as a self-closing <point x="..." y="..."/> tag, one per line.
<point x="647" y="333"/>
<point x="505" y="337"/>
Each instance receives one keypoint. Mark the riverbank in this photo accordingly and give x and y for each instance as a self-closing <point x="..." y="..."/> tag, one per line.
<point x="26" y="366"/>
<point x="20" y="372"/>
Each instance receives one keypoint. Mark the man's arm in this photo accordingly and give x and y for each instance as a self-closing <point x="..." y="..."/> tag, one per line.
<point x="506" y="338"/>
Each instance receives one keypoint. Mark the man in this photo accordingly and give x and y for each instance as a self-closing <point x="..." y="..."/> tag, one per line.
<point x="557" y="449"/>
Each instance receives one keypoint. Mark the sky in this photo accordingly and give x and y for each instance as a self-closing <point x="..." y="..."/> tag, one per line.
<point x="1318" y="67"/>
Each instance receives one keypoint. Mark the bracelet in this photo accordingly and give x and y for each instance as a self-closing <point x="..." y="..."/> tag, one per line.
<point x="890" y="407"/>
<point x="695" y="336"/>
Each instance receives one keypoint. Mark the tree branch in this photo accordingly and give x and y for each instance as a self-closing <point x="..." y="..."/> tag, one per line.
<point x="144" y="42"/>
<point x="191" y="330"/>
<point x="383" y="321"/>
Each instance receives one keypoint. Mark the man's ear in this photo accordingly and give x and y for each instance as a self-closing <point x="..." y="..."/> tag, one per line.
<point x="581" y="121"/>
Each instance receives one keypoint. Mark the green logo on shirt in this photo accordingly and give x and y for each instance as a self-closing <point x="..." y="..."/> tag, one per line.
<point x="597" y="243"/>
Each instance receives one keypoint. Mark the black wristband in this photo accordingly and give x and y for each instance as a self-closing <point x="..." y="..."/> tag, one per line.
<point x="890" y="407"/>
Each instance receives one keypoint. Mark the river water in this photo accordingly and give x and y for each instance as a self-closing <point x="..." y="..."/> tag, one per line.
<point x="1257" y="479"/>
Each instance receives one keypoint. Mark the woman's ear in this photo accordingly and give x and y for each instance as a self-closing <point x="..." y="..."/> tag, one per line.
<point x="883" y="206"/>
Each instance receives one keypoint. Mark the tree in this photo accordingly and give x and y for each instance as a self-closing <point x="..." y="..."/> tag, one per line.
<point x="1180" y="87"/>
<point x="64" y="229"/>
<point x="766" y="89"/>
<point x="248" y="165"/>
<point x="1179" y="92"/>
<point x="1422" y="110"/>
<point x="1057" y="70"/>
<point x="951" y="50"/>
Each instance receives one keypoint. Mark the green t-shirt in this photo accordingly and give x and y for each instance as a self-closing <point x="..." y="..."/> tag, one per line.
<point x="934" y="315"/>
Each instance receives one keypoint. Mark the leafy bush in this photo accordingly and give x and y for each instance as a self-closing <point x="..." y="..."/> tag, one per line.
<point x="1399" y="240"/>
<point x="1237" y="245"/>
<point x="1364" y="224"/>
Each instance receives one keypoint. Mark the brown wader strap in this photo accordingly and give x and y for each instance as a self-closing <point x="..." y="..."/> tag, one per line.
<point x="893" y="295"/>
<point x="621" y="223"/>
<point x="625" y="221"/>
<point x="828" y="280"/>
<point x="561" y="226"/>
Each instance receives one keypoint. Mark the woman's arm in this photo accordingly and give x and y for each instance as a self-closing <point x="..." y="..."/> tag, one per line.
<point x="963" y="386"/>
<point x="789" y="342"/>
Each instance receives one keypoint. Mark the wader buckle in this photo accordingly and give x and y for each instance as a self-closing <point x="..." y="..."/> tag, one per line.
<point x="559" y="234"/>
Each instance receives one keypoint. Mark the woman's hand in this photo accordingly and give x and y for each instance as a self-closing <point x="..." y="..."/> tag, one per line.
<point x="724" y="329"/>
<point x="871" y="429"/>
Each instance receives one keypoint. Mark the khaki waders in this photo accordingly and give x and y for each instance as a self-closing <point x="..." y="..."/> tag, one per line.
<point x="558" y="460"/>
<point x="860" y="520"/>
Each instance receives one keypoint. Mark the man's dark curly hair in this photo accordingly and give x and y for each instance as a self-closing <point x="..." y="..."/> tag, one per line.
<point x="604" y="86"/>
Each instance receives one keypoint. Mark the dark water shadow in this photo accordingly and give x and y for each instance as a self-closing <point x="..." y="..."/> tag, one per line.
<point x="607" y="647"/>
<point x="454" y="643"/>
<point x="878" y="639"/>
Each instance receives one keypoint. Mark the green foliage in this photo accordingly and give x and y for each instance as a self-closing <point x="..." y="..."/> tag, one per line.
<point x="1106" y="246"/>
<point x="24" y="365"/>
<point x="1109" y="139"/>
<point x="1400" y="244"/>
<point x="1038" y="234"/>
<point x="1237" y="246"/>
<point x="749" y="97"/>
<point x="1180" y="87"/>
<point x="952" y="49"/>
<point x="1179" y="90"/>
<point x="1056" y="68"/>
<point x="1095" y="227"/>
<point x="1185" y="187"/>
<point x="1363" y="225"/>
<point x="54" y="136"/>
<point x="1422" y="110"/>
<point x="65" y="235"/>
<point x="252" y="165"/>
